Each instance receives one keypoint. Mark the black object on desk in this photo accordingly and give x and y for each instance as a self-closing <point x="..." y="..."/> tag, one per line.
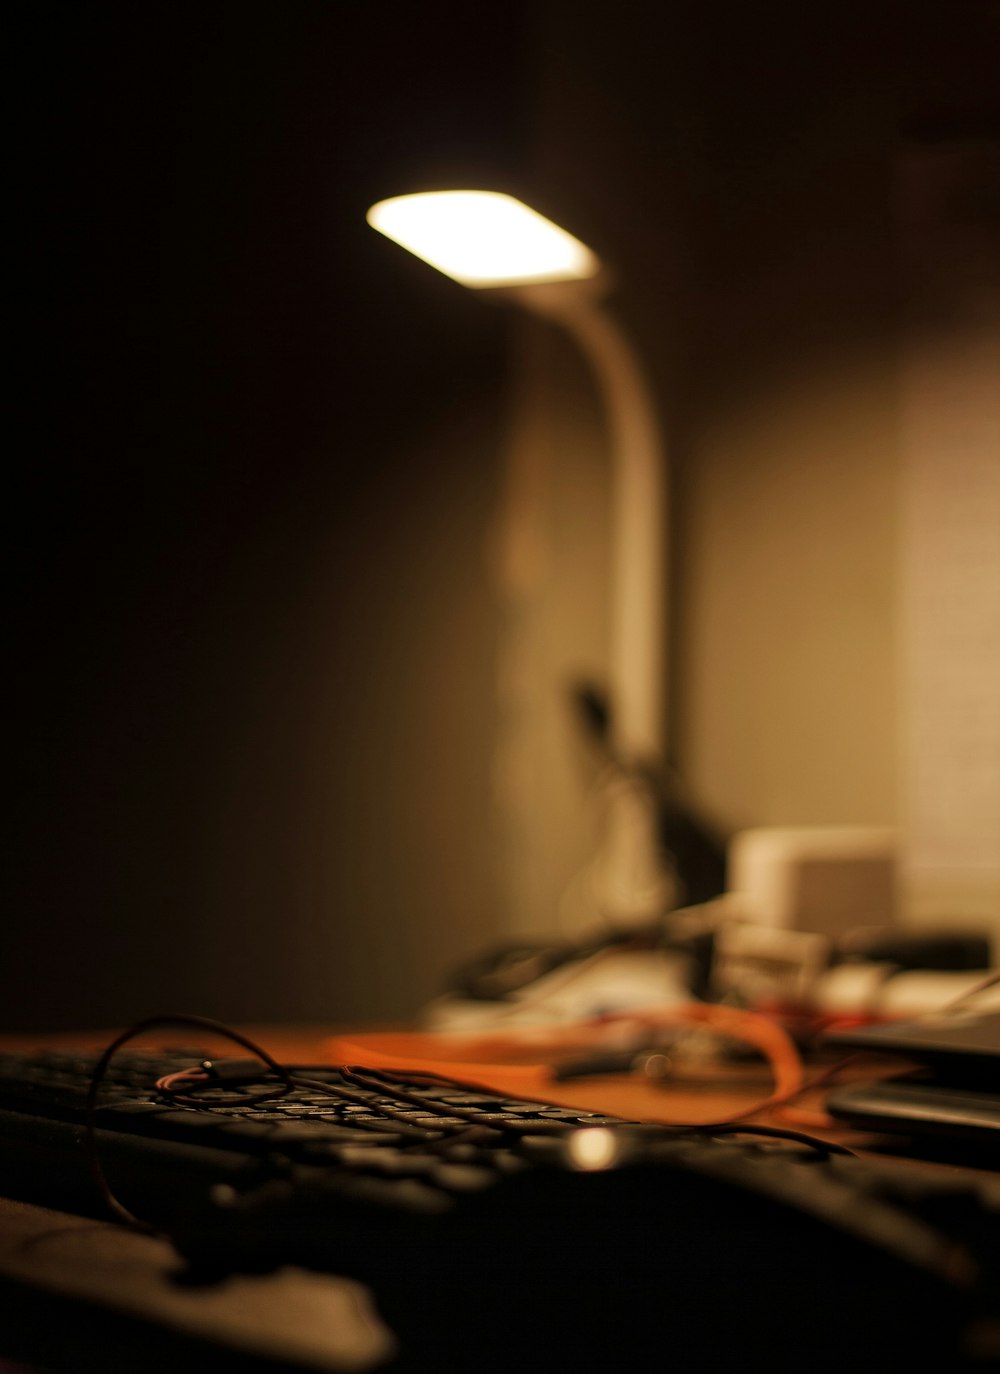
<point x="959" y="1045"/>
<point x="954" y="1093"/>
<point x="499" y="1234"/>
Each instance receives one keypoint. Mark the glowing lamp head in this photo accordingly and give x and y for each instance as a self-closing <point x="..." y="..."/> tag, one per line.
<point x="483" y="238"/>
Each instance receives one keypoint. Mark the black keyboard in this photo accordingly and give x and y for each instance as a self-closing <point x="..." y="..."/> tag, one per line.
<point x="468" y="1212"/>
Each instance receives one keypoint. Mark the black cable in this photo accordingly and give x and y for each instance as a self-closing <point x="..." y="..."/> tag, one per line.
<point x="390" y="1082"/>
<point x="825" y="1147"/>
<point x="205" y="1023"/>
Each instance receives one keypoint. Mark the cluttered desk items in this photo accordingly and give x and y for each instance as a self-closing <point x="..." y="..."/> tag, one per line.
<point x="561" y="1231"/>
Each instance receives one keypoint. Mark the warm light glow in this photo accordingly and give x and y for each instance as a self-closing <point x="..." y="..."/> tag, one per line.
<point x="483" y="238"/>
<point x="592" y="1149"/>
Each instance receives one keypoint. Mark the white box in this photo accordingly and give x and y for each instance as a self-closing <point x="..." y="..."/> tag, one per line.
<point x="824" y="879"/>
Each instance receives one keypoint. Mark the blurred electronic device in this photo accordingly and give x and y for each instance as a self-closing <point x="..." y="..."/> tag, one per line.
<point x="524" y="986"/>
<point x="951" y="1092"/>
<point x="885" y="990"/>
<point x="960" y="1046"/>
<point x="759" y="965"/>
<point x="866" y="972"/>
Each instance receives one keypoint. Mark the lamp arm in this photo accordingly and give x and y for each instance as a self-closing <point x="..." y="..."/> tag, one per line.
<point x="639" y="519"/>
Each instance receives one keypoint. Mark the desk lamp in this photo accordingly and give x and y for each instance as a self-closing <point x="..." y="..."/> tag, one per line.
<point x="494" y="243"/>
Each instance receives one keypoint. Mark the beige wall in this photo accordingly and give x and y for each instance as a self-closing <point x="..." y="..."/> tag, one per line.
<point x="784" y="652"/>
<point x="741" y="181"/>
<point x="786" y="638"/>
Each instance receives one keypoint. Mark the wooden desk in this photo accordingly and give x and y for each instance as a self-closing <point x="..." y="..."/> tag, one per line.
<point x="92" y="1295"/>
<point x="703" y="1096"/>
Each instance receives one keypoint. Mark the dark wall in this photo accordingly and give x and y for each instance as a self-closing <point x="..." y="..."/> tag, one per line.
<point x="254" y="463"/>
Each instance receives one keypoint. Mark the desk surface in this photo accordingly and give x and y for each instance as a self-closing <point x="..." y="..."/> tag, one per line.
<point x="115" y="1288"/>
<point x="711" y="1094"/>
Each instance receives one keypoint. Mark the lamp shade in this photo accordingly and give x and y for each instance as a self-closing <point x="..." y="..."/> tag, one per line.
<point x="483" y="238"/>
